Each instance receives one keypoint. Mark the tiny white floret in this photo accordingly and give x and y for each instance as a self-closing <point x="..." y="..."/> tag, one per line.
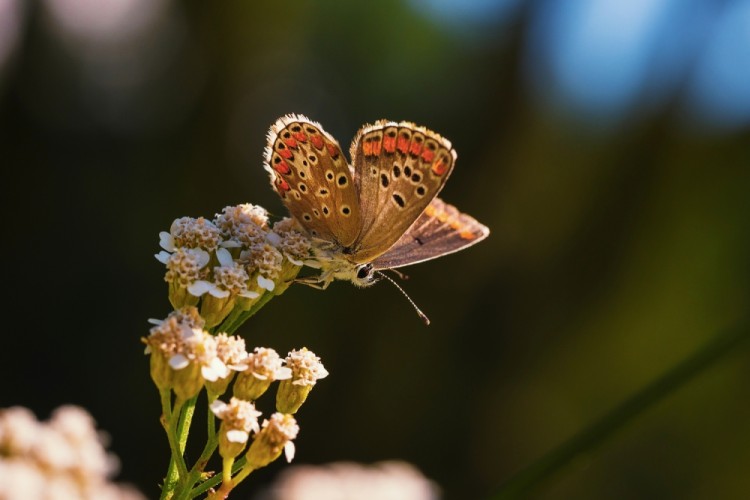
<point x="224" y="257"/>
<point x="166" y="241"/>
<point x="178" y="362"/>
<point x="266" y="283"/>
<point x="163" y="256"/>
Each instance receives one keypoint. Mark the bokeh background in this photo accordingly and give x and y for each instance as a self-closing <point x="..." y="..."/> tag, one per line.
<point x="605" y="143"/>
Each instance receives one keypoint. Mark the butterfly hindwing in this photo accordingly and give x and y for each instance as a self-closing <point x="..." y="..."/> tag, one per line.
<point x="312" y="177"/>
<point x="441" y="229"/>
<point x="399" y="169"/>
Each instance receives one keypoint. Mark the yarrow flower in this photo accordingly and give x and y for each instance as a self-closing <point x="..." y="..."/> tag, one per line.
<point x="226" y="265"/>
<point x="229" y="283"/>
<point x="306" y="371"/>
<point x="232" y="220"/>
<point x="276" y="435"/>
<point x="191" y="233"/>
<point x="185" y="268"/>
<point x="61" y="458"/>
<point x="183" y="356"/>
<point x="238" y="419"/>
<point x="291" y="242"/>
<point x="296" y="249"/>
<point x="220" y="272"/>
<point x="263" y="367"/>
<point x="266" y="260"/>
<point x="394" y="480"/>
<point x="231" y="351"/>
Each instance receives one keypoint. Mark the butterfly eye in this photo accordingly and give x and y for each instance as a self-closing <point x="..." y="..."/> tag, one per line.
<point x="364" y="271"/>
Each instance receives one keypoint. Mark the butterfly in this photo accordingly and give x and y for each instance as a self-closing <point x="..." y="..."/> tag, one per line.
<point x="382" y="211"/>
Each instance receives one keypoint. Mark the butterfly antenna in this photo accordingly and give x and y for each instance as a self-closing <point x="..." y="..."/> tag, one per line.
<point x="399" y="274"/>
<point x="422" y="315"/>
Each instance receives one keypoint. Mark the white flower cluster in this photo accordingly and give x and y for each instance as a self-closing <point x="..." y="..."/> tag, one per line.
<point x="62" y="458"/>
<point x="185" y="358"/>
<point x="230" y="261"/>
<point x="394" y="480"/>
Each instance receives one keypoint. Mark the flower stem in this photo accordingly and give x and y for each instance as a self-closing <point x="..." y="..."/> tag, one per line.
<point x="231" y="326"/>
<point x="522" y="483"/>
<point x="166" y="407"/>
<point x="210" y="483"/>
<point x="177" y="434"/>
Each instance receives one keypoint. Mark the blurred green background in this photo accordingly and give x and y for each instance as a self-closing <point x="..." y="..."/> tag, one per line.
<point x="605" y="143"/>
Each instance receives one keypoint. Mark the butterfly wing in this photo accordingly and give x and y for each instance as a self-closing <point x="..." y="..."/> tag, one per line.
<point x="399" y="169"/>
<point x="440" y="230"/>
<point x="312" y="177"/>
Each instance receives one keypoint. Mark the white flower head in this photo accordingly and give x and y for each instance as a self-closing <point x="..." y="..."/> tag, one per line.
<point x="62" y="458"/>
<point x="306" y="367"/>
<point x="193" y="233"/>
<point x="185" y="266"/>
<point x="244" y="225"/>
<point x="263" y="258"/>
<point x="231" y="350"/>
<point x="168" y="336"/>
<point x="228" y="279"/>
<point x="265" y="364"/>
<point x="282" y="428"/>
<point x="237" y="416"/>
<point x="394" y="480"/>
<point x="292" y="243"/>
<point x="182" y="341"/>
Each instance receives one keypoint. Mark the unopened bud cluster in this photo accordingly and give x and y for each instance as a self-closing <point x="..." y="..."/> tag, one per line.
<point x="185" y="358"/>
<point x="225" y="266"/>
<point x="61" y="458"/>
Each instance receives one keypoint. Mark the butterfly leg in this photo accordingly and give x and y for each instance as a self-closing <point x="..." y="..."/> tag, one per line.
<point x="320" y="282"/>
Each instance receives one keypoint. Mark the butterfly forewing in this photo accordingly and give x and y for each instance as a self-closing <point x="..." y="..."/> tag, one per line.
<point x="441" y="229"/>
<point x="399" y="169"/>
<point x="312" y="177"/>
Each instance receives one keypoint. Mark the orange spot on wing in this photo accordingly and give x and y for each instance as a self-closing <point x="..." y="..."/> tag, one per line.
<point x="428" y="155"/>
<point x="376" y="147"/>
<point x="367" y="148"/>
<point x="415" y="148"/>
<point x="317" y="141"/>
<point x="430" y="211"/>
<point x="332" y="150"/>
<point x="403" y="144"/>
<point x="439" y="168"/>
<point x="283" y="185"/>
<point x="285" y="153"/>
<point x="389" y="144"/>
<point x="467" y="235"/>
<point x="291" y="143"/>
<point x="300" y="136"/>
<point x="282" y="167"/>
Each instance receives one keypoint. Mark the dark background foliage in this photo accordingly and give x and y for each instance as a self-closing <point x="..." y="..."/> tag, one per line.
<point x="606" y="145"/>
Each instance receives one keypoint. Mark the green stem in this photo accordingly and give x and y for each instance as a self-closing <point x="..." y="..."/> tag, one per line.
<point x="166" y="407"/>
<point x="178" y="433"/>
<point x="208" y="450"/>
<point x="235" y="322"/>
<point x="522" y="483"/>
<point x="170" y="480"/>
<point x="214" y="481"/>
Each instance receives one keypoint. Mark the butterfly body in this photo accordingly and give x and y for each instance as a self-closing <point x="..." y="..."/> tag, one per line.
<point x="380" y="212"/>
